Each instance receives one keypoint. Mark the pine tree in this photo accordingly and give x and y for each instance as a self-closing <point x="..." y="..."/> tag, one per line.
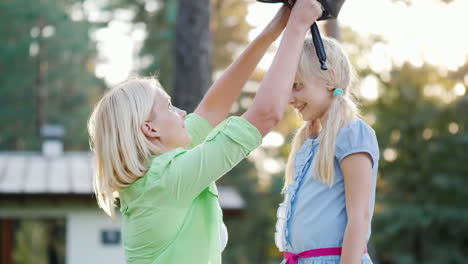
<point x="47" y="73"/>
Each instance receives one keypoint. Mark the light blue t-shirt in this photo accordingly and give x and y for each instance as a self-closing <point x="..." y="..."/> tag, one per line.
<point x="313" y="215"/>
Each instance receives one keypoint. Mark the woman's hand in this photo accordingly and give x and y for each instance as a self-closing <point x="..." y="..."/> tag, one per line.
<point x="304" y="14"/>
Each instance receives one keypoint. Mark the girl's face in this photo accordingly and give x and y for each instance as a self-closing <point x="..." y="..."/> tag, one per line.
<point x="166" y="126"/>
<point x="311" y="98"/>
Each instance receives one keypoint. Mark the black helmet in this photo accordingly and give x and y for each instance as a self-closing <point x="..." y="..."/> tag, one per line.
<point x="331" y="8"/>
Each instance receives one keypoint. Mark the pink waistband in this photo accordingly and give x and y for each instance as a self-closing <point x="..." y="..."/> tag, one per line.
<point x="293" y="258"/>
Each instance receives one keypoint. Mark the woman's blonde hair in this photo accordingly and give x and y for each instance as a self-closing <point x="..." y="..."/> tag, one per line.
<point x="121" y="149"/>
<point x="341" y="111"/>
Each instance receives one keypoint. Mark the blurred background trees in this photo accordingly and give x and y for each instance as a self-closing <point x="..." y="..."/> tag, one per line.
<point x="421" y="189"/>
<point x="48" y="64"/>
<point x="419" y="114"/>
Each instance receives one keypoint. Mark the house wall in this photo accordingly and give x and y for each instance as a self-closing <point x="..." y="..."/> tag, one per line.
<point x="85" y="241"/>
<point x="84" y="227"/>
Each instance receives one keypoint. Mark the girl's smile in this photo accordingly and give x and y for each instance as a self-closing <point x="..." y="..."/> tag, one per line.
<point x="300" y="107"/>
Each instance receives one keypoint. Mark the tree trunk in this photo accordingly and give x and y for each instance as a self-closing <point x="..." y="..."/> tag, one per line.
<point x="332" y="29"/>
<point x="6" y="241"/>
<point x="41" y="89"/>
<point x="192" y="53"/>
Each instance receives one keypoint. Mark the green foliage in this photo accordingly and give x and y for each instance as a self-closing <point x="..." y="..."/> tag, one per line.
<point x="421" y="126"/>
<point x="422" y="191"/>
<point x="421" y="215"/>
<point x="228" y="26"/>
<point x="230" y="31"/>
<point x="36" y="239"/>
<point x="43" y="49"/>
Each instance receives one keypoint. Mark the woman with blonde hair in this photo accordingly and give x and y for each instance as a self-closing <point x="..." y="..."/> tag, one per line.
<point x="331" y="172"/>
<point x="163" y="164"/>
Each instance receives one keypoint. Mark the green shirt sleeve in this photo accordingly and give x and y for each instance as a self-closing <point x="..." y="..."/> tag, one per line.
<point x="198" y="128"/>
<point x="191" y="171"/>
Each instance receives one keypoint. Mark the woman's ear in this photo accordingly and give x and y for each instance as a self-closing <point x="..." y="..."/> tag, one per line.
<point x="149" y="130"/>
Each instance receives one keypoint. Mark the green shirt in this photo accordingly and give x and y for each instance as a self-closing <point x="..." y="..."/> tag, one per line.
<point x="172" y="213"/>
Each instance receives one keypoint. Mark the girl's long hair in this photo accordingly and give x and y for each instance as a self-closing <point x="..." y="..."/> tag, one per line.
<point x="342" y="110"/>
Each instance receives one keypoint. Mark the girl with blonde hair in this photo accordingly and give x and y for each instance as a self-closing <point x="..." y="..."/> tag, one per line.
<point x="163" y="163"/>
<point x="331" y="172"/>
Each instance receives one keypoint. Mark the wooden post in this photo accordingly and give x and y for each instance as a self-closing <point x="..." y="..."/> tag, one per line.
<point x="6" y="241"/>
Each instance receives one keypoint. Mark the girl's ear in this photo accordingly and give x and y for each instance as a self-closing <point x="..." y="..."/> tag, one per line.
<point x="333" y="73"/>
<point x="331" y="83"/>
<point x="149" y="130"/>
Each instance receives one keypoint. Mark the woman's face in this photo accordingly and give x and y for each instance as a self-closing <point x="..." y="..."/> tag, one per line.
<point x="311" y="98"/>
<point x="166" y="126"/>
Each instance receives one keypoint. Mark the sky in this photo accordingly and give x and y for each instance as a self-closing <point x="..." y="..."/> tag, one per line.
<point x="425" y="31"/>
